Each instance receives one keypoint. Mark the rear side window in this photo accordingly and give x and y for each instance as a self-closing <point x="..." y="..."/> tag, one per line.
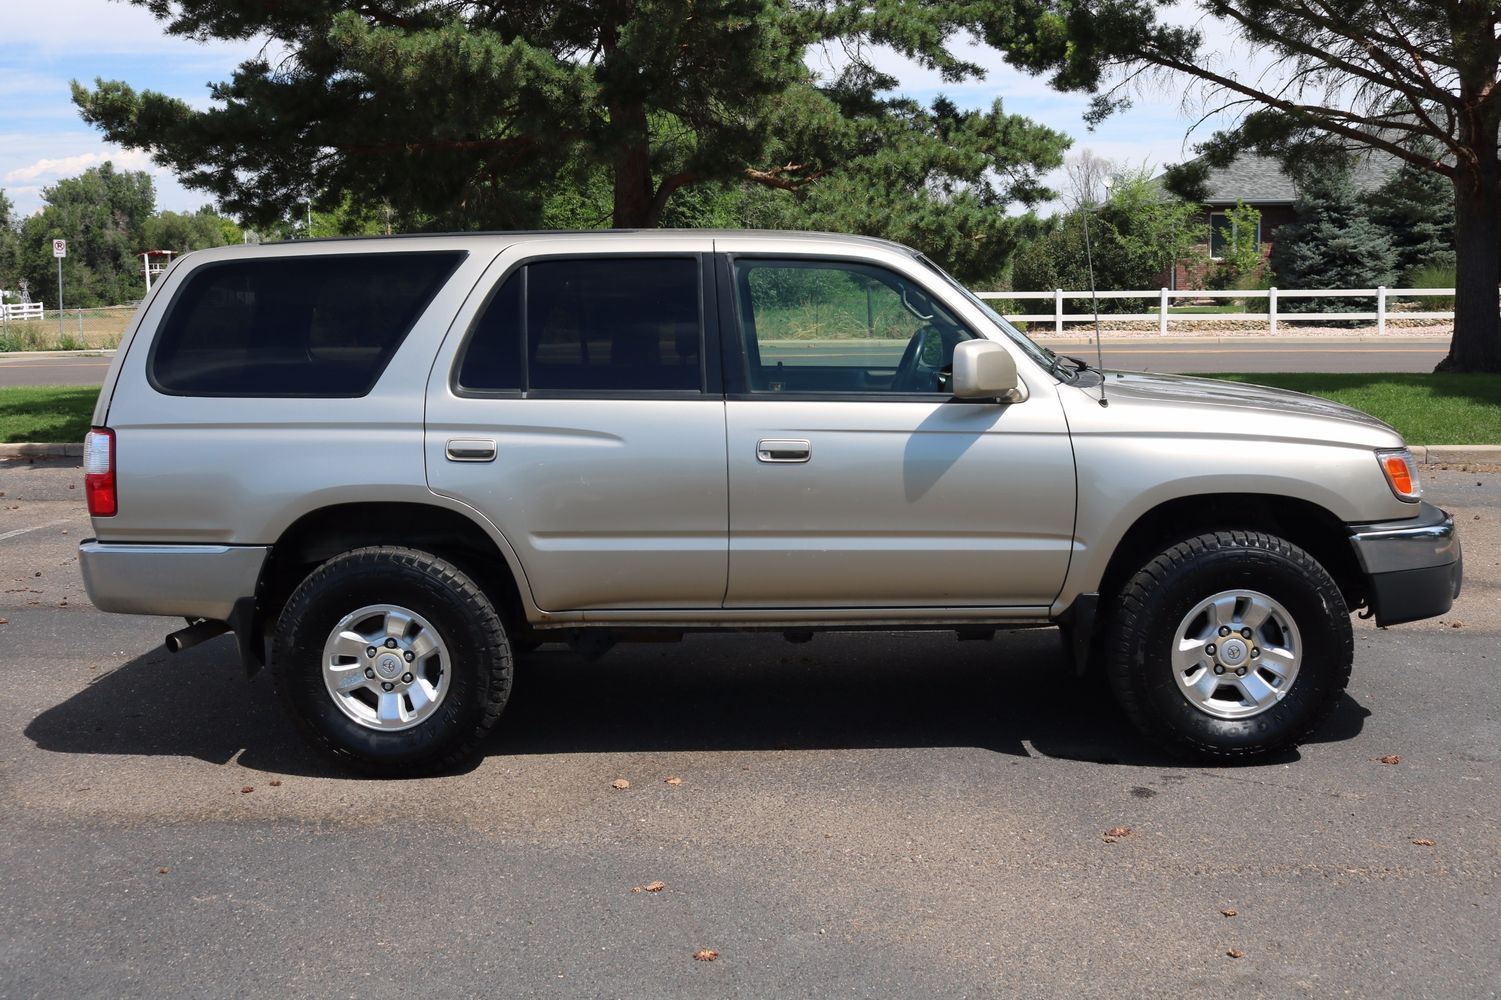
<point x="293" y="326"/>
<point x="621" y="324"/>
<point x="492" y="360"/>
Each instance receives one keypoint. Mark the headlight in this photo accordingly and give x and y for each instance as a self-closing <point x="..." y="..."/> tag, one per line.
<point x="1401" y="473"/>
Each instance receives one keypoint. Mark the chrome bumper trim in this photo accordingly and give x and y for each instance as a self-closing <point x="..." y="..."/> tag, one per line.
<point x="1425" y="541"/>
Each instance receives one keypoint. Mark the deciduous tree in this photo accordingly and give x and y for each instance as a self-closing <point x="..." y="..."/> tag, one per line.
<point x="1135" y="238"/>
<point x="102" y="214"/>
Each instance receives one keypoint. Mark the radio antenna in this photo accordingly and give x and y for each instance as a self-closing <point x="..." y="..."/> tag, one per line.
<point x="1094" y="296"/>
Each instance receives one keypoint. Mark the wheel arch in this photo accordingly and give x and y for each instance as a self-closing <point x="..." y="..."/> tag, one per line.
<point x="454" y="535"/>
<point x="1313" y="528"/>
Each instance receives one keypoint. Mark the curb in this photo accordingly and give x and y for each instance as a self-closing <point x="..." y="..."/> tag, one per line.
<point x="34" y="449"/>
<point x="1457" y="454"/>
<point x="91" y="352"/>
<point x="1426" y="454"/>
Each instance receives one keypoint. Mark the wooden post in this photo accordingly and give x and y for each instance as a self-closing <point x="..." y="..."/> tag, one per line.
<point x="1380" y="309"/>
<point x="1058" y="311"/>
<point x="1162" y="313"/>
<point x="1271" y="307"/>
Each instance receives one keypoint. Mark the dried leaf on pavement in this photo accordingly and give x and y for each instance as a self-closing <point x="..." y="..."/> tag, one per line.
<point x="649" y="887"/>
<point x="4" y="621"/>
<point x="620" y="784"/>
<point x="672" y="781"/>
<point x="1423" y="842"/>
<point x="705" y="955"/>
<point x="163" y="871"/>
<point x="247" y="790"/>
<point x="1391" y="758"/>
<point x="1236" y="953"/>
<point x="275" y="782"/>
<point x="1229" y="913"/>
<point x="1116" y="833"/>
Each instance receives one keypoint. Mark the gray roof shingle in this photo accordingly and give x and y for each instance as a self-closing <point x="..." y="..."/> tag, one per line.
<point x="1259" y="179"/>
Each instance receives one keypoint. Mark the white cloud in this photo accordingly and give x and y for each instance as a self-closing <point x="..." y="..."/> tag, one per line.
<point x="127" y="159"/>
<point x="39" y="159"/>
<point x="68" y="26"/>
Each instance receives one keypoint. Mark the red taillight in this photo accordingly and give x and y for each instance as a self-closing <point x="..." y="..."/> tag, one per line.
<point x="99" y="472"/>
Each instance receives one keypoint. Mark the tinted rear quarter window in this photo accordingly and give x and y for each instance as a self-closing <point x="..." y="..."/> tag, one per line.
<point x="323" y="325"/>
<point x="627" y="324"/>
<point x="492" y="358"/>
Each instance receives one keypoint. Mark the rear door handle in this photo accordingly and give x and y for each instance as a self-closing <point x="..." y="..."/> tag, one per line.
<point x="471" y="450"/>
<point x="783" y="450"/>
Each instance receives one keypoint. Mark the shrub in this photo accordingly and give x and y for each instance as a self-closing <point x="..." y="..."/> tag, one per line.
<point x="1434" y="275"/>
<point x="1134" y="238"/>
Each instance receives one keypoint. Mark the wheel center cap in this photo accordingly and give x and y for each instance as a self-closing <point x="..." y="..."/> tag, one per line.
<point x="389" y="665"/>
<point x="1233" y="652"/>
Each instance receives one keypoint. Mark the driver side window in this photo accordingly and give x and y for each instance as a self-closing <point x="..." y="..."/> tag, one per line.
<point x="815" y="326"/>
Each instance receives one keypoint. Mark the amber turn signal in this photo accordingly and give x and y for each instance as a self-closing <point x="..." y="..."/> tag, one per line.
<point x="1401" y="473"/>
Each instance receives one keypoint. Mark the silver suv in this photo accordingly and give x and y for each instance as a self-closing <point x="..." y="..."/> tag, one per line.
<point x="402" y="462"/>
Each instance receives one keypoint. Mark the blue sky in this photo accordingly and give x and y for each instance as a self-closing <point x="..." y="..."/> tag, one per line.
<point x="45" y="44"/>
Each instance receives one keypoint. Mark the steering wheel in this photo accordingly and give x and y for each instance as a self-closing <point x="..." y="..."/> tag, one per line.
<point x="911" y="374"/>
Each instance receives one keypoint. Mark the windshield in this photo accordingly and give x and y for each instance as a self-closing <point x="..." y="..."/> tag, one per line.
<point x="1041" y="355"/>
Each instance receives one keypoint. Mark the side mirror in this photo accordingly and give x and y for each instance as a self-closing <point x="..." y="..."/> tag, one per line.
<point x="984" y="369"/>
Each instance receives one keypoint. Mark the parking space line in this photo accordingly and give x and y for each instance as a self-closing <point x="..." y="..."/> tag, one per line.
<point x="37" y="527"/>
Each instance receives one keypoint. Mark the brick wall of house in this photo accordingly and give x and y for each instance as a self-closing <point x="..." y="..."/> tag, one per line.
<point x="1273" y="217"/>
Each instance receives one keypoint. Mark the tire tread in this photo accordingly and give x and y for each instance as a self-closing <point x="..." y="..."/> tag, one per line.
<point x="432" y="572"/>
<point x="1131" y="617"/>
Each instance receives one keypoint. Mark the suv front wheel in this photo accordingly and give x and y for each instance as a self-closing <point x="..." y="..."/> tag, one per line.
<point x="393" y="659"/>
<point x="1229" y="645"/>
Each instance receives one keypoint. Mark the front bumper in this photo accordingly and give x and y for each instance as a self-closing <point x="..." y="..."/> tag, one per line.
<point x="186" y="581"/>
<point x="1414" y="568"/>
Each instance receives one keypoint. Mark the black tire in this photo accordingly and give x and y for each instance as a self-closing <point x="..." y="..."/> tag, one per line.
<point x="479" y="658"/>
<point x="1142" y="633"/>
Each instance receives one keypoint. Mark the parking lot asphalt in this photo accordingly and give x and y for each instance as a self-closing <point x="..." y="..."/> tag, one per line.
<point x="867" y="815"/>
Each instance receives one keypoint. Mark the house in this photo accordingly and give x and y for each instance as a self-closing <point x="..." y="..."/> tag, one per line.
<point x="1260" y="182"/>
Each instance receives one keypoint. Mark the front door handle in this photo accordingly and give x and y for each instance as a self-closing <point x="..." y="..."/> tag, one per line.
<point x="783" y="450"/>
<point x="471" y="450"/>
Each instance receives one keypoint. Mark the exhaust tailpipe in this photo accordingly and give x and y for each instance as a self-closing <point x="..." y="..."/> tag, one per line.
<point x="195" y="633"/>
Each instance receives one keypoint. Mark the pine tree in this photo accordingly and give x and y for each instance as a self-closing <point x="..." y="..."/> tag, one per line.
<point x="473" y="114"/>
<point x="1333" y="244"/>
<point x="1416" y="208"/>
<point x="1340" y="76"/>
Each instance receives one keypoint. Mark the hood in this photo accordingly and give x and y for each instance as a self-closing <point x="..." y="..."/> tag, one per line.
<point x="1180" y="390"/>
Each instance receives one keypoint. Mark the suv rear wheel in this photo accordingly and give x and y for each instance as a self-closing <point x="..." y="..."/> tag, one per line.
<point x="1229" y="645"/>
<point x="393" y="659"/>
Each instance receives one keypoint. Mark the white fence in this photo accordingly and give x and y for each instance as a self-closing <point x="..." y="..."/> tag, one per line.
<point x="17" y="311"/>
<point x="1163" y="314"/>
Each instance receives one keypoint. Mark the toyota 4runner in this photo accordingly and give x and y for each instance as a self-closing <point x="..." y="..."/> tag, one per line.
<point x="400" y="462"/>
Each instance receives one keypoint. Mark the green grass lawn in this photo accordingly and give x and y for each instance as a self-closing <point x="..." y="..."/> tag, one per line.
<point x="47" y="413"/>
<point x="1229" y="307"/>
<point x="1427" y="409"/>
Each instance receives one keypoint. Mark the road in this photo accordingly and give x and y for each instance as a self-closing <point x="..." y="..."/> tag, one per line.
<point x="1264" y="355"/>
<point x="865" y="816"/>
<point x="1239" y="354"/>
<point x="75" y="370"/>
